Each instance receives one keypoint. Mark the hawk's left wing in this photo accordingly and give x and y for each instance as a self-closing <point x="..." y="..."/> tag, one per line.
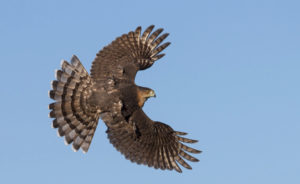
<point x="128" y="54"/>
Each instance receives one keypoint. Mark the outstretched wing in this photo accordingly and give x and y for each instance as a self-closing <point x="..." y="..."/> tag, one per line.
<point x="127" y="54"/>
<point x="151" y="143"/>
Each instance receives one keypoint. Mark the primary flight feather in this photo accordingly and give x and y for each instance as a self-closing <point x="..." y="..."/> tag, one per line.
<point x="110" y="93"/>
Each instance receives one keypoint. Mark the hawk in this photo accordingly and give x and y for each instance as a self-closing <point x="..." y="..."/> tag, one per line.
<point x="110" y="93"/>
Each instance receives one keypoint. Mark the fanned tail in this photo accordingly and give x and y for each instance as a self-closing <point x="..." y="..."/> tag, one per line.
<point x="75" y="119"/>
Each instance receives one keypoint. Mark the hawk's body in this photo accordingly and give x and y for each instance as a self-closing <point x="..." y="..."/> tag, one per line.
<point x="111" y="93"/>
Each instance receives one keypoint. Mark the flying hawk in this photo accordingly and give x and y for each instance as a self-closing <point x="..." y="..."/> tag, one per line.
<point x="110" y="93"/>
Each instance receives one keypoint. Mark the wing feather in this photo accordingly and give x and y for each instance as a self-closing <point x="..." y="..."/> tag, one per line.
<point x="182" y="162"/>
<point x="189" y="149"/>
<point x="187" y="156"/>
<point x="182" y="139"/>
<point x="146" y="34"/>
<point x="155" y="34"/>
<point x="159" y="40"/>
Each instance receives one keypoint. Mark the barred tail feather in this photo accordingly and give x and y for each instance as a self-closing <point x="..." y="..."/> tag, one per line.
<point x="75" y="119"/>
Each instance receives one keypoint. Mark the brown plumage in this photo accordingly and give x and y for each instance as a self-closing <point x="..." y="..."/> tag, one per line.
<point x="111" y="94"/>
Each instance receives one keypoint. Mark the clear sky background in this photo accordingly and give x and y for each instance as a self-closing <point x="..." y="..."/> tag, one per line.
<point x="230" y="78"/>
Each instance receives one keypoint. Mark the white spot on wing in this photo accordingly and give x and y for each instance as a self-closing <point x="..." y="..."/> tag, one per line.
<point x="66" y="143"/>
<point x="75" y="150"/>
<point x="55" y="72"/>
<point x="62" y="62"/>
<point x="58" y="134"/>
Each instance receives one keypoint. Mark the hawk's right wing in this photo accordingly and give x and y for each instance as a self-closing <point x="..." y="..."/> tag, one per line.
<point x="154" y="144"/>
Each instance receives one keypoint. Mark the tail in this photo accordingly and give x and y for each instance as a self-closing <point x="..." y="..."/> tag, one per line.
<point x="74" y="117"/>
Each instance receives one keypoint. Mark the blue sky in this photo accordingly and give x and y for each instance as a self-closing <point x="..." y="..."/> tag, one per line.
<point x="230" y="78"/>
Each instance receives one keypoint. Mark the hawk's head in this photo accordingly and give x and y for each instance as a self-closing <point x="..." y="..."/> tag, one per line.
<point x="143" y="94"/>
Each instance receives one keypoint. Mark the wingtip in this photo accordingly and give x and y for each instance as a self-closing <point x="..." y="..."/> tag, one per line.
<point x="178" y="169"/>
<point x="196" y="160"/>
<point x="180" y="133"/>
<point x="160" y="29"/>
<point x="151" y="26"/>
<point x="138" y="28"/>
<point x="199" y="151"/>
<point x="167" y="44"/>
<point x="194" y="141"/>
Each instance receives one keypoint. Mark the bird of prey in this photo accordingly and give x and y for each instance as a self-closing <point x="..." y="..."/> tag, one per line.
<point x="109" y="92"/>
